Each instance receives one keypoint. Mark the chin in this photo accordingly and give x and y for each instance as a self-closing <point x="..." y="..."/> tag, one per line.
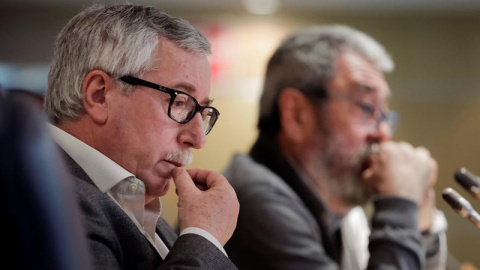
<point x="163" y="189"/>
<point x="159" y="188"/>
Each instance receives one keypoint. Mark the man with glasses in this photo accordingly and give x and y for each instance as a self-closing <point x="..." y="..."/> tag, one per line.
<point x="128" y="95"/>
<point x="323" y="149"/>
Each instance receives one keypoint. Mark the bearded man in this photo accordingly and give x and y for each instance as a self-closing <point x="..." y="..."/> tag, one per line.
<point x="324" y="148"/>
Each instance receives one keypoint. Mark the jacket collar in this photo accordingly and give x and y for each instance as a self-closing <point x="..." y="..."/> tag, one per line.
<point x="267" y="152"/>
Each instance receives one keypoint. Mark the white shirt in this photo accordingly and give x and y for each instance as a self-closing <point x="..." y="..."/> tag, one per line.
<point x="356" y="233"/>
<point x="123" y="187"/>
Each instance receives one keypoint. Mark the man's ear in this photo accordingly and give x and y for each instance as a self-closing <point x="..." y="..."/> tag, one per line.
<point x="95" y="87"/>
<point x="297" y="116"/>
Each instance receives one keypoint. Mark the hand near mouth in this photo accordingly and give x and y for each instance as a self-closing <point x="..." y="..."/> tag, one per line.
<point x="399" y="169"/>
<point x="206" y="201"/>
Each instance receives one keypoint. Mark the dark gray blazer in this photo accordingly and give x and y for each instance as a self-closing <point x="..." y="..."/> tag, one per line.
<point x="283" y="224"/>
<point x="116" y="243"/>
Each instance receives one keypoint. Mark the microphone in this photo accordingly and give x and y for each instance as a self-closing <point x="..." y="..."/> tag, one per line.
<point x="461" y="206"/>
<point x="468" y="181"/>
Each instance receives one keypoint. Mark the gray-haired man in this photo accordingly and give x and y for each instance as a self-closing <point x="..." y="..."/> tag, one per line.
<point x="323" y="148"/>
<point x="128" y="94"/>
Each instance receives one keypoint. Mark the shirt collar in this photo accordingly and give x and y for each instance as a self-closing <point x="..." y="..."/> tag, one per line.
<point x="103" y="171"/>
<point x="122" y="186"/>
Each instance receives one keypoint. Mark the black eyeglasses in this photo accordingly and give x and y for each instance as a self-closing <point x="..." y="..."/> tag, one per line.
<point x="182" y="107"/>
<point x="372" y="116"/>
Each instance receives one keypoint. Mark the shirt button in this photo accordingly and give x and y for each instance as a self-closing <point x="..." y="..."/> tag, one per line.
<point x="133" y="187"/>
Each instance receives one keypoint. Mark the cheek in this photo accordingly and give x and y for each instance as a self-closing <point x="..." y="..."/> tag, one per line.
<point x="351" y="139"/>
<point x="154" y="141"/>
<point x="152" y="125"/>
<point x="148" y="138"/>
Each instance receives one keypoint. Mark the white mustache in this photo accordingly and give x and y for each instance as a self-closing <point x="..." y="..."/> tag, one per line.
<point x="184" y="157"/>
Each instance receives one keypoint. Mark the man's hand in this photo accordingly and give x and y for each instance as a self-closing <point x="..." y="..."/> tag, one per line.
<point x="399" y="169"/>
<point x="206" y="201"/>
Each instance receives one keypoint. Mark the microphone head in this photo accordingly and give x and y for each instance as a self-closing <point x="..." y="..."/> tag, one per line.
<point x="461" y="206"/>
<point x="468" y="181"/>
<point x="452" y="198"/>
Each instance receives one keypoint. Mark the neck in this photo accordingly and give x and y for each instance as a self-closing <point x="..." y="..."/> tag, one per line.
<point x="85" y="130"/>
<point x="332" y="200"/>
<point x="307" y="163"/>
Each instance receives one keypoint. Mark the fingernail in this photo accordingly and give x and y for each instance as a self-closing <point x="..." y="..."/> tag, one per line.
<point x="373" y="148"/>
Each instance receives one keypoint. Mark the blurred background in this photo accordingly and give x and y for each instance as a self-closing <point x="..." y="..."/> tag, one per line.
<point x="436" y="83"/>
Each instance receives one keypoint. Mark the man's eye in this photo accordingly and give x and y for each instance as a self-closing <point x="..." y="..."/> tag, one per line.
<point x="180" y="102"/>
<point x="369" y="109"/>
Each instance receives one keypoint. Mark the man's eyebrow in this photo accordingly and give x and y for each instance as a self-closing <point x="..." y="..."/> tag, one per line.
<point x="191" y="89"/>
<point x="362" y="89"/>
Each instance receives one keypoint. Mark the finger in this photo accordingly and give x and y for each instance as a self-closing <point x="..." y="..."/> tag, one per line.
<point x="424" y="151"/>
<point x="372" y="175"/>
<point x="205" y="177"/>
<point x="367" y="174"/>
<point x="425" y="155"/>
<point x="406" y="146"/>
<point x="201" y="187"/>
<point x="183" y="181"/>
<point x="372" y="168"/>
<point x="390" y="148"/>
<point x="373" y="149"/>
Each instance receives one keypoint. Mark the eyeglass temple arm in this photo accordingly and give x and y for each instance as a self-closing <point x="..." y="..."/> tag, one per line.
<point x="136" y="81"/>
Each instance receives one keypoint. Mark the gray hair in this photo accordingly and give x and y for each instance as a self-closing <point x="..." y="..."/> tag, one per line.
<point x="306" y="60"/>
<point x="118" y="39"/>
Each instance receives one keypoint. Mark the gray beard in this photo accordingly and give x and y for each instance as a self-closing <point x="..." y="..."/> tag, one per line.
<point x="343" y="168"/>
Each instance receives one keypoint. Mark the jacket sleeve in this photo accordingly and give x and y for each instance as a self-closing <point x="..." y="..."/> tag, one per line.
<point x="395" y="242"/>
<point x="192" y="251"/>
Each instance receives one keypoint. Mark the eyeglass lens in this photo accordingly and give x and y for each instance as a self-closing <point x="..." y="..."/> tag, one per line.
<point x="183" y="108"/>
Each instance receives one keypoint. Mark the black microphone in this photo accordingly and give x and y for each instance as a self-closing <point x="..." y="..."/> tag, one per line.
<point x="461" y="206"/>
<point x="468" y="181"/>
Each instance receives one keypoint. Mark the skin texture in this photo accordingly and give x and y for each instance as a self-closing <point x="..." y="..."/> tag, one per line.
<point x="136" y="132"/>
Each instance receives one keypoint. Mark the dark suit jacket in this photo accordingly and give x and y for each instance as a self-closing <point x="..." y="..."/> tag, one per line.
<point x="284" y="225"/>
<point x="116" y="243"/>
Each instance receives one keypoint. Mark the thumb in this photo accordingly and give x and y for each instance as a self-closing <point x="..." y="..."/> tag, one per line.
<point x="183" y="181"/>
<point x="367" y="174"/>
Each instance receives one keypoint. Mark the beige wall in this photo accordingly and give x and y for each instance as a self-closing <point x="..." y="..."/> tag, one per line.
<point x="436" y="85"/>
<point x="436" y="88"/>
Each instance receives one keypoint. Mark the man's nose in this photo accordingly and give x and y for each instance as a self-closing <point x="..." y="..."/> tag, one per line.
<point x="381" y="131"/>
<point x="193" y="134"/>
